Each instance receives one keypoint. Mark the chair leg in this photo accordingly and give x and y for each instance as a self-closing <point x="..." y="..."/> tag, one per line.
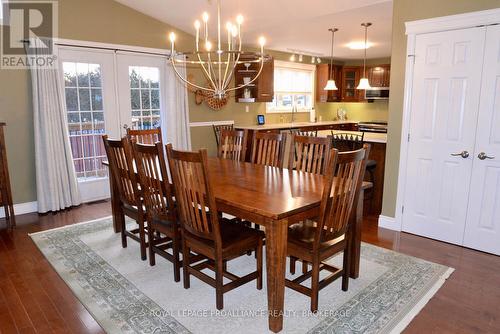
<point x="293" y="262"/>
<point x="151" y="239"/>
<point x="347" y="264"/>
<point x="218" y="284"/>
<point x="185" y="264"/>
<point x="304" y="266"/>
<point x="142" y="237"/>
<point x="124" y="236"/>
<point x="258" y="251"/>
<point x="177" y="261"/>
<point x="314" y="285"/>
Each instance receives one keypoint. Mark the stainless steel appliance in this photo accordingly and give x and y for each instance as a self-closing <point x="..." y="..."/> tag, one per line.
<point x="373" y="126"/>
<point x="377" y="93"/>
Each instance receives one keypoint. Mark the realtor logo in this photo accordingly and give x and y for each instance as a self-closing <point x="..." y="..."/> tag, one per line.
<point x="27" y="35"/>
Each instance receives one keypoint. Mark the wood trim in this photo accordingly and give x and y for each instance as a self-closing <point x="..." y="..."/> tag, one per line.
<point x="453" y="22"/>
<point x="388" y="223"/>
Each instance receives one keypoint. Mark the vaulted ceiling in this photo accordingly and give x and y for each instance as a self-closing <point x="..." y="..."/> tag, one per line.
<point x="288" y="24"/>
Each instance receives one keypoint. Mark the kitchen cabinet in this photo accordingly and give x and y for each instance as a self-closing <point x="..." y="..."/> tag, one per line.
<point x="379" y="75"/>
<point x="350" y="80"/>
<point x="262" y="89"/>
<point x="322" y="76"/>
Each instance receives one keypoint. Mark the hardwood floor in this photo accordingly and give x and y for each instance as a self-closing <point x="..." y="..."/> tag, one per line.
<point x="33" y="299"/>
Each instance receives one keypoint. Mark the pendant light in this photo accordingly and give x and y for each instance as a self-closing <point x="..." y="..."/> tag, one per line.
<point x="330" y="84"/>
<point x="363" y="83"/>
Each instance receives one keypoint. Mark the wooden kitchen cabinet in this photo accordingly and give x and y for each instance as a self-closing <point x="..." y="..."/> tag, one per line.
<point x="322" y="76"/>
<point x="262" y="89"/>
<point x="350" y="80"/>
<point x="379" y="75"/>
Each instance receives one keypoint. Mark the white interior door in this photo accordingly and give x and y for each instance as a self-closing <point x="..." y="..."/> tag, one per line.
<point x="89" y="95"/>
<point x="445" y="99"/>
<point x="483" y="218"/>
<point x="141" y="90"/>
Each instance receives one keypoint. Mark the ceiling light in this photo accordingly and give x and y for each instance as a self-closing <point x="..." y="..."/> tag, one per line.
<point x="300" y="58"/>
<point x="218" y="64"/>
<point x="359" y="45"/>
<point x="364" y="83"/>
<point x="330" y="84"/>
<point x="318" y="60"/>
<point x="292" y="57"/>
<point x="313" y="60"/>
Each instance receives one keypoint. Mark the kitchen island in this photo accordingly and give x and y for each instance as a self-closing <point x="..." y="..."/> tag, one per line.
<point x="377" y="140"/>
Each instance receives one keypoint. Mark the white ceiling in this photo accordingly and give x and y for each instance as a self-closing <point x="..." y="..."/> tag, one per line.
<point x="288" y="24"/>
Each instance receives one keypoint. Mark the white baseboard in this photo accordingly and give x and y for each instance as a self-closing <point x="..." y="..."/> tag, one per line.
<point x="22" y="208"/>
<point x="388" y="223"/>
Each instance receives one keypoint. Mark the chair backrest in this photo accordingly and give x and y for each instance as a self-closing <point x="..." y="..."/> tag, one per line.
<point x="340" y="193"/>
<point x="218" y="129"/>
<point x="347" y="141"/>
<point x="233" y="145"/>
<point x="154" y="181"/>
<point x="121" y="164"/>
<point x="307" y="132"/>
<point x="268" y="149"/>
<point x="310" y="154"/>
<point x="149" y="136"/>
<point x="193" y="193"/>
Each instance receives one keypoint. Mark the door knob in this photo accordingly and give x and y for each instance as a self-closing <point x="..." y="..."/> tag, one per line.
<point x="483" y="156"/>
<point x="125" y="126"/>
<point x="463" y="154"/>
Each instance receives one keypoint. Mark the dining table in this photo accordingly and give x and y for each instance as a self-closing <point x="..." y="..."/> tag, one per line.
<point x="274" y="198"/>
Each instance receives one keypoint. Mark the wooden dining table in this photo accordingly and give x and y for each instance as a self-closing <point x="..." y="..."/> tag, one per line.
<point x="274" y="198"/>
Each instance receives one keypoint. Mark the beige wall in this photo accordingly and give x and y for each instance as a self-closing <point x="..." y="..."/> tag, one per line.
<point x="404" y="11"/>
<point x="110" y="22"/>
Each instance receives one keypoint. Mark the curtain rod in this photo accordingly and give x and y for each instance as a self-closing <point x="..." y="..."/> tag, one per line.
<point x="104" y="48"/>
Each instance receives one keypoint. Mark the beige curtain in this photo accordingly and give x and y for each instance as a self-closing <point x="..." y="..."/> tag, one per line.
<point x="57" y="187"/>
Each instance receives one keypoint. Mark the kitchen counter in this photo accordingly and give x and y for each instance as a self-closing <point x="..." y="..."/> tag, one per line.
<point x="369" y="137"/>
<point x="294" y="125"/>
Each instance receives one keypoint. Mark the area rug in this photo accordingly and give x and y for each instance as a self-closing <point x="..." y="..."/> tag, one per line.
<point x="127" y="295"/>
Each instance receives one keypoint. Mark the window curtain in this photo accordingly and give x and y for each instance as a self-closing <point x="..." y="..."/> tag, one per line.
<point x="176" y="114"/>
<point x="57" y="187"/>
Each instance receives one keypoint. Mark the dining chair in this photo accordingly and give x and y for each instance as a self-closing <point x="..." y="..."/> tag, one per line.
<point x="309" y="154"/>
<point x="121" y="164"/>
<point x="148" y="136"/>
<point x="349" y="141"/>
<point x="163" y="227"/>
<point x="218" y="129"/>
<point x="307" y="132"/>
<point x="268" y="149"/>
<point x="204" y="231"/>
<point x="233" y="145"/>
<point x="331" y="232"/>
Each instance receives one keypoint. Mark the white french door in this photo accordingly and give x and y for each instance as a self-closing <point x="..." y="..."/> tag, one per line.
<point x="445" y="100"/>
<point x="141" y="91"/>
<point x="483" y="219"/>
<point x="89" y="96"/>
<point x="105" y="93"/>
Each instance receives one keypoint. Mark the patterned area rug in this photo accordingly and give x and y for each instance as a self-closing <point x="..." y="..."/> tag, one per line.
<point x="126" y="295"/>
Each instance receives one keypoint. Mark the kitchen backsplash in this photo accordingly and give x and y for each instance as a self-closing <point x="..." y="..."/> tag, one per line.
<point x="360" y="111"/>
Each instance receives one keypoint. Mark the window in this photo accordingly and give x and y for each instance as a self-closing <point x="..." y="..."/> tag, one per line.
<point x="84" y="105"/>
<point x="145" y="97"/>
<point x="1" y="11"/>
<point x="293" y="86"/>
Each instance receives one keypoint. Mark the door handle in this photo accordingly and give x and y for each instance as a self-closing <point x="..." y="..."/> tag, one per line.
<point x="463" y="154"/>
<point x="483" y="156"/>
<point x="125" y="127"/>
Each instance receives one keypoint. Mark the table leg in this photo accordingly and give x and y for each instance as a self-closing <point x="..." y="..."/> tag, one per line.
<point x="116" y="208"/>
<point x="276" y="241"/>
<point x="357" y="220"/>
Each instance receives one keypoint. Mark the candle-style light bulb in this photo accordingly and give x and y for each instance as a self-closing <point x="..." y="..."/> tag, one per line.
<point x="204" y="16"/>
<point x="234" y="31"/>
<point x="239" y="19"/>
<point x="262" y="41"/>
<point x="229" y="26"/>
<point x="197" y="25"/>
<point x="208" y="46"/>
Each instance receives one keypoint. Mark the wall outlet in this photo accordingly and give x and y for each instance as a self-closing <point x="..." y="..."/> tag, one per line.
<point x="247" y="108"/>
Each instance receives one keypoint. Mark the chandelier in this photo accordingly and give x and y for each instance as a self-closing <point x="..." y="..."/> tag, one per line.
<point x="218" y="63"/>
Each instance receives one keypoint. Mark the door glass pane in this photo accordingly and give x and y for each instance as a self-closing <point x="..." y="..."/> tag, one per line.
<point x="84" y="107"/>
<point x="144" y="97"/>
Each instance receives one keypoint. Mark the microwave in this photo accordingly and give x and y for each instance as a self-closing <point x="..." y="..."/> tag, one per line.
<point x="377" y="93"/>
